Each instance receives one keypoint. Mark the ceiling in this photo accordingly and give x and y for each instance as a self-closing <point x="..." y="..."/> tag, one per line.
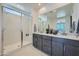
<point x="42" y="8"/>
<point x="28" y="7"/>
<point x="35" y="6"/>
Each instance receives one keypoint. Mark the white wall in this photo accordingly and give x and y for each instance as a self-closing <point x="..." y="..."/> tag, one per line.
<point x="35" y="15"/>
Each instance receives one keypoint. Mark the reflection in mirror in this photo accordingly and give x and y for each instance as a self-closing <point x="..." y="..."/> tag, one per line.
<point x="59" y="19"/>
<point x="42" y="23"/>
<point x="64" y="18"/>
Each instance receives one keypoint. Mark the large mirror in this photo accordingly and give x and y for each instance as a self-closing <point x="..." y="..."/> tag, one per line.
<point x="59" y="19"/>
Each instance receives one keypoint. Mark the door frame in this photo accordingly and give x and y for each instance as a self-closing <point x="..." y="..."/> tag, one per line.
<point x="2" y="30"/>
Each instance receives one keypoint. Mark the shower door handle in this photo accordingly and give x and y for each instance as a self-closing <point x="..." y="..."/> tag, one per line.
<point x="27" y="34"/>
<point x="21" y="39"/>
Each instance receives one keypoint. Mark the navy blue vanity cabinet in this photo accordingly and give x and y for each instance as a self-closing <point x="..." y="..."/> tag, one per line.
<point x="35" y="40"/>
<point x="46" y="44"/>
<point x="57" y="46"/>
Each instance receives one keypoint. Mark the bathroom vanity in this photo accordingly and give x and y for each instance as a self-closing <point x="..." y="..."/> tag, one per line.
<point x="56" y="45"/>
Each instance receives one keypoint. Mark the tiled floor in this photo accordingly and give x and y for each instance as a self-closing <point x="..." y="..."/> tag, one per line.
<point x="28" y="50"/>
<point x="14" y="46"/>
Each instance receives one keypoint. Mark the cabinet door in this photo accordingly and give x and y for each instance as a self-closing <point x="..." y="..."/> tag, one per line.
<point x="70" y="50"/>
<point x="35" y="40"/>
<point x="47" y="45"/>
<point x="57" y="49"/>
<point x="39" y="42"/>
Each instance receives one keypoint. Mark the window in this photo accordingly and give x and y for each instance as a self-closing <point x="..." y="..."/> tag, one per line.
<point x="60" y="26"/>
<point x="11" y="11"/>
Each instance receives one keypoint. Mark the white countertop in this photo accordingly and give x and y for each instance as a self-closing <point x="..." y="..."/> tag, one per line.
<point x="69" y="36"/>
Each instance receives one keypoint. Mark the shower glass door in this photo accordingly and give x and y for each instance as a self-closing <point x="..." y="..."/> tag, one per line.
<point x="12" y="30"/>
<point x="26" y="26"/>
